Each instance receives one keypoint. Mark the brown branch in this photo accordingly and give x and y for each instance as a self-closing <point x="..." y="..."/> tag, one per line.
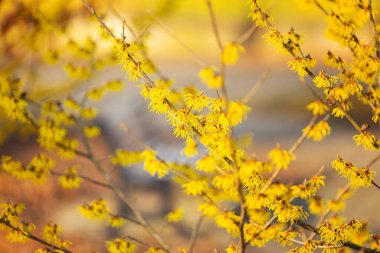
<point x="88" y="179"/>
<point x="347" y="244"/>
<point x="195" y="233"/>
<point x="33" y="237"/>
<point x="293" y="149"/>
<point x="122" y="196"/>
<point x="252" y="92"/>
<point x="214" y="25"/>
<point x="247" y="35"/>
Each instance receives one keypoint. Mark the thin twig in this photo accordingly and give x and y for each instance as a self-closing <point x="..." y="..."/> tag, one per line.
<point x="373" y="161"/>
<point x="141" y="219"/>
<point x="195" y="233"/>
<point x="247" y="35"/>
<point x="374" y="26"/>
<point x="33" y="237"/>
<point x="255" y="88"/>
<point x="328" y="210"/>
<point x="293" y="149"/>
<point x="214" y="25"/>
<point x="220" y="45"/>
<point x="141" y="243"/>
<point x="347" y="244"/>
<point x="195" y="56"/>
<point x="88" y="179"/>
<point x="318" y="246"/>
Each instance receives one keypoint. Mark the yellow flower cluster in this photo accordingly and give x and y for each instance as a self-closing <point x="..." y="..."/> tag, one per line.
<point x="176" y="215"/>
<point x="255" y="235"/>
<point x="367" y="140"/>
<point x="38" y="169"/>
<point x="126" y="158"/>
<point x="338" y="235"/>
<point x="318" y="131"/>
<point x="229" y="221"/>
<point x="210" y="78"/>
<point x="12" y="99"/>
<point x="258" y="15"/>
<point x="70" y="179"/>
<point x="231" y="52"/>
<point x="154" y="165"/>
<point x="309" y="188"/>
<point x="302" y="65"/>
<point x="280" y="157"/>
<point x="289" y="213"/>
<point x="10" y="214"/>
<point x="51" y="233"/>
<point x="358" y="177"/>
<point x="195" y="187"/>
<point x="119" y="245"/>
<point x="317" y="108"/>
<point x="284" y="237"/>
<point x="97" y="210"/>
<point x="191" y="148"/>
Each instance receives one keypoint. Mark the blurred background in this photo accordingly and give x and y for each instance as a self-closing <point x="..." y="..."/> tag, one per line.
<point x="180" y="42"/>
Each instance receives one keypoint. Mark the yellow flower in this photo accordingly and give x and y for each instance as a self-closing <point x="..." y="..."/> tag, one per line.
<point x="91" y="131"/>
<point x="115" y="85"/>
<point x="70" y="180"/>
<point x="317" y="107"/>
<point x="96" y="210"/>
<point x="231" y="52"/>
<point x="78" y="72"/>
<point x="336" y="205"/>
<point x="51" y="233"/>
<point x="302" y="65"/>
<point x="17" y="236"/>
<point x="194" y="187"/>
<point x="358" y="177"/>
<point x="229" y="221"/>
<point x="72" y="104"/>
<point x="191" y="148"/>
<point x="206" y="164"/>
<point x="157" y="250"/>
<point x="196" y="102"/>
<point x="176" y="215"/>
<point x="280" y="157"/>
<point x="318" y="131"/>
<point x="232" y="248"/>
<point x="338" y="113"/>
<point x="322" y="80"/>
<point x="153" y="165"/>
<point x="254" y="182"/>
<point x="50" y="135"/>
<point x="334" y="61"/>
<point x="289" y="213"/>
<point x="275" y="38"/>
<point x="315" y="205"/>
<point x="126" y="158"/>
<point x="119" y="245"/>
<point x="367" y="140"/>
<point x="208" y="209"/>
<point x="261" y="19"/>
<point x="237" y="111"/>
<point x="217" y="105"/>
<point x="225" y="182"/>
<point x="284" y="237"/>
<point x="95" y="94"/>
<point x="115" y="221"/>
<point x="88" y="113"/>
<point x="210" y="78"/>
